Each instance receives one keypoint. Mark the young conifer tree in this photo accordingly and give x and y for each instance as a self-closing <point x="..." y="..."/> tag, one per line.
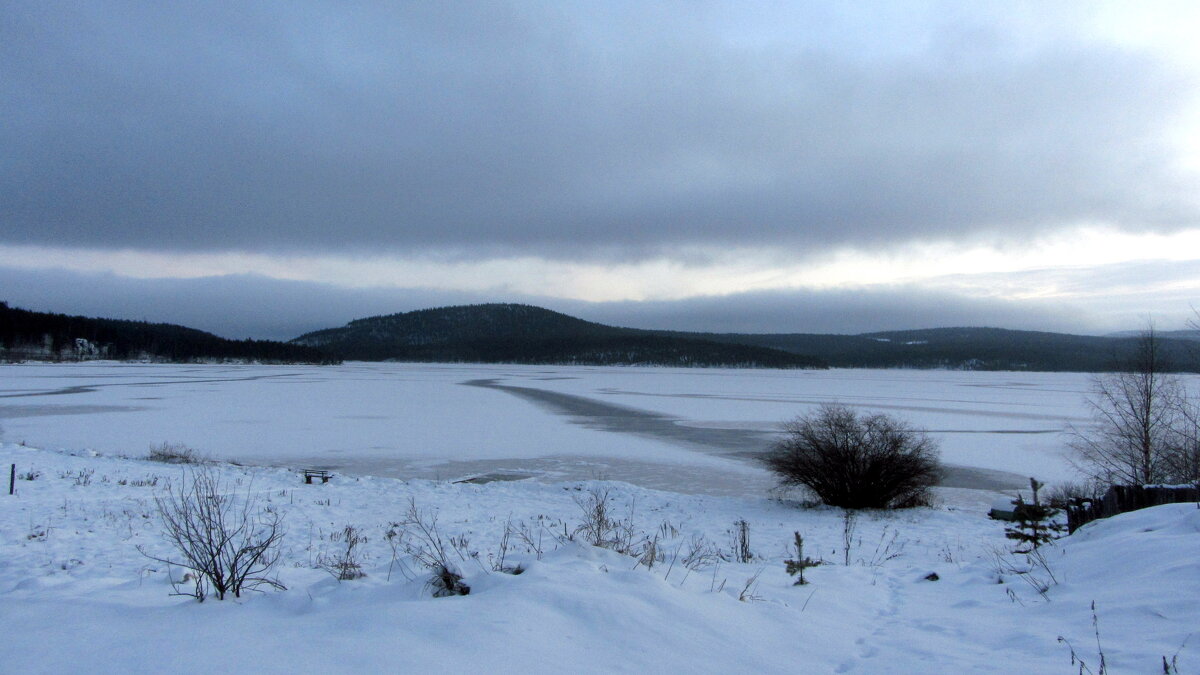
<point x="1034" y="523"/>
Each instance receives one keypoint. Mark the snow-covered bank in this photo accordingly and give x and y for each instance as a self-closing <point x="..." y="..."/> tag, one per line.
<point x="75" y="593"/>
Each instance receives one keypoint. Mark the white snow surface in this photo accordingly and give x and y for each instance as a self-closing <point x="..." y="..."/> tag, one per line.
<point x="77" y="595"/>
<point x="419" y="420"/>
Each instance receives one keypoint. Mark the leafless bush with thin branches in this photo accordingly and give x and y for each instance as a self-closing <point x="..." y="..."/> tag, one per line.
<point x="418" y="535"/>
<point x="857" y="461"/>
<point x="227" y="541"/>
<point x="175" y="453"/>
<point x="701" y="554"/>
<point x="740" y="534"/>
<point x="345" y="564"/>
<point x="749" y="592"/>
<point x="599" y="527"/>
<point x="1031" y="567"/>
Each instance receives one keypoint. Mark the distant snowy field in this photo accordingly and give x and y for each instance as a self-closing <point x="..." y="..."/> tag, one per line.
<point x="77" y="594"/>
<point x="418" y="420"/>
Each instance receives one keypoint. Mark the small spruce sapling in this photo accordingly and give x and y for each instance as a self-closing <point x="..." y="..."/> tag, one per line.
<point x="1034" y="523"/>
<point x="797" y="565"/>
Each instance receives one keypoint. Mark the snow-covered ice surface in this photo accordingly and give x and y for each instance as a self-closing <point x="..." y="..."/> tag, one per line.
<point x="678" y="429"/>
<point x="673" y="448"/>
<point x="76" y="595"/>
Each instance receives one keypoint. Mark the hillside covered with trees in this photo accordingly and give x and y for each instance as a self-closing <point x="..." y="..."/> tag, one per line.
<point x="28" y="335"/>
<point x="514" y="333"/>
<point x="970" y="349"/>
<point x="511" y="333"/>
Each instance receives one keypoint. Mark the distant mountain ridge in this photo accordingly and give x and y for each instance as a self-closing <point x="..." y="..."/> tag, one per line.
<point x="514" y="333"/>
<point x="1173" y="334"/>
<point x="526" y="334"/>
<point x="41" y="336"/>
<point x="971" y="348"/>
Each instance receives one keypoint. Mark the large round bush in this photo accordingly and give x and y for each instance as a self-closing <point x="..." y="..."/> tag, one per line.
<point x="857" y="461"/>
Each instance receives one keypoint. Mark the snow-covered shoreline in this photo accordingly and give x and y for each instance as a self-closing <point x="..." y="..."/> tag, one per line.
<point x="76" y="593"/>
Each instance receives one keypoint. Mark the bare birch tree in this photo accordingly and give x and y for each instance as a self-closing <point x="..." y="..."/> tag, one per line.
<point x="1136" y="412"/>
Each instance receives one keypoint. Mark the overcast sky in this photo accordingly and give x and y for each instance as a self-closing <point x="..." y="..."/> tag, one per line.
<point x="269" y="168"/>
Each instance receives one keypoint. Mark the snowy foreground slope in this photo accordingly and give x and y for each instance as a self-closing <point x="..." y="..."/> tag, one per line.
<point x="76" y="594"/>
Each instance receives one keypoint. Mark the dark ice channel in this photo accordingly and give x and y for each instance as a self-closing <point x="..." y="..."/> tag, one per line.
<point x="743" y="444"/>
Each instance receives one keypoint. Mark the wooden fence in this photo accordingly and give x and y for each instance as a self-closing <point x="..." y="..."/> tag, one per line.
<point x="1125" y="498"/>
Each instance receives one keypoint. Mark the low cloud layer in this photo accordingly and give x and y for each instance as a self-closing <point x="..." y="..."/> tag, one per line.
<point x="248" y="306"/>
<point x="576" y="130"/>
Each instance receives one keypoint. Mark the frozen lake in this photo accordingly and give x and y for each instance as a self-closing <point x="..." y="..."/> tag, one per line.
<point x="689" y="430"/>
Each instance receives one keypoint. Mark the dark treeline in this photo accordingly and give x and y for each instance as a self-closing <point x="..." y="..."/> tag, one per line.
<point x="525" y="334"/>
<point x="583" y="350"/>
<point x="37" y="335"/>
<point x="971" y="349"/>
<point x="512" y="333"/>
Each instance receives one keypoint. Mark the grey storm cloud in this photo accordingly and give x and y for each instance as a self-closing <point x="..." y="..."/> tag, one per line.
<point x="570" y="129"/>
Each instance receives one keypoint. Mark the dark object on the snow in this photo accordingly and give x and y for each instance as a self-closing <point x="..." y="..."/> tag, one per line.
<point x="932" y="576"/>
<point x="310" y="474"/>
<point x="1005" y="509"/>
<point x="447" y="582"/>
<point x="12" y="479"/>
<point x="1124" y="498"/>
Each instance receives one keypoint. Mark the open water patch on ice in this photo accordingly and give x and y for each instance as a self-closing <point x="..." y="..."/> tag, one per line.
<point x="13" y="412"/>
<point x="739" y="442"/>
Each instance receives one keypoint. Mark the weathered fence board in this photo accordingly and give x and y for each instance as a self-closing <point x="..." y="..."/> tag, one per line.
<point x="1124" y="498"/>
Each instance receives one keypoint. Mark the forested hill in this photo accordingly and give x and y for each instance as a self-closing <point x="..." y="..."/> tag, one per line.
<point x="969" y="349"/>
<point x="26" y="335"/>
<point x="511" y="333"/>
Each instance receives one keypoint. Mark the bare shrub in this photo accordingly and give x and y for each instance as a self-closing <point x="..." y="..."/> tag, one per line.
<point x="741" y="541"/>
<point x="749" y="592"/>
<point x="533" y="538"/>
<point x="849" y="527"/>
<point x="228" y="543"/>
<point x="856" y="462"/>
<point x="499" y="560"/>
<point x="346" y="563"/>
<point x="175" y="453"/>
<point x="887" y="548"/>
<point x="418" y="535"/>
<point x="599" y="527"/>
<point x="1062" y="495"/>
<point x="651" y="553"/>
<point x="1076" y="658"/>
<point x="701" y="554"/>
<point x="1031" y="567"/>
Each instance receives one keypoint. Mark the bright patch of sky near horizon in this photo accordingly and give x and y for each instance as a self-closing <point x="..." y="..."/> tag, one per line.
<point x="940" y="264"/>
